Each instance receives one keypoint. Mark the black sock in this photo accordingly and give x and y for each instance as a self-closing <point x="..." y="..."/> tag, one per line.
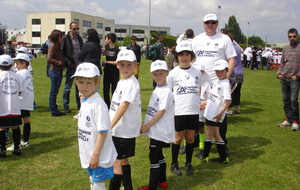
<point x="2" y="140"/>
<point x="175" y="152"/>
<point x="115" y="182"/>
<point x="207" y="147"/>
<point x="221" y="150"/>
<point x="196" y="140"/>
<point x="163" y="167"/>
<point x="16" y="137"/>
<point x="189" y="152"/>
<point x="26" y="131"/>
<point x="154" y="178"/>
<point x="127" y="182"/>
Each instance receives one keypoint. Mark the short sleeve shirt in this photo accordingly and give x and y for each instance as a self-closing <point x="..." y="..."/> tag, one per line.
<point x="27" y="95"/>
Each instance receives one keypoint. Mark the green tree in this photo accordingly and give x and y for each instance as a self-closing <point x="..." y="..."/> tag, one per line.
<point x="3" y="35"/>
<point x="169" y="41"/>
<point x="235" y="30"/>
<point x="13" y="39"/>
<point x="255" y="41"/>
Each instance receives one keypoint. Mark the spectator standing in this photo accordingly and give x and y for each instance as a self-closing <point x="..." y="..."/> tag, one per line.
<point x="137" y="51"/>
<point x="70" y="46"/>
<point x="289" y="75"/>
<point x="160" y="51"/>
<point x="2" y="51"/>
<point x="10" y="49"/>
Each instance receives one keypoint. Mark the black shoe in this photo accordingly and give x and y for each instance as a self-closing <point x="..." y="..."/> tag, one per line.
<point x="17" y="152"/>
<point x="58" y="114"/>
<point x="199" y="153"/>
<point x="175" y="169"/>
<point x="223" y="161"/>
<point x="189" y="169"/>
<point x="2" y="154"/>
<point x="67" y="110"/>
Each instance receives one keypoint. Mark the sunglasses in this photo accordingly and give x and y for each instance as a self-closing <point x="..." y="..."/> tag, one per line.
<point x="210" y="22"/>
<point x="292" y="36"/>
<point x="75" y="28"/>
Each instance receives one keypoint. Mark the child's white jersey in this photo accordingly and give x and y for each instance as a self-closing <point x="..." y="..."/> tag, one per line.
<point x="27" y="95"/>
<point x="163" y="130"/>
<point x="218" y="94"/>
<point x="186" y="84"/>
<point x="10" y="87"/>
<point x="130" y="124"/>
<point x="94" y="119"/>
<point x="205" y="90"/>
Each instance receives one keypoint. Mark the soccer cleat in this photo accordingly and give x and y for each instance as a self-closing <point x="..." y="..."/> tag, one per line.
<point x="24" y="143"/>
<point x="144" y="188"/>
<point x="163" y="185"/>
<point x="17" y="152"/>
<point x="189" y="169"/>
<point x="285" y="124"/>
<point x="2" y="154"/>
<point x="223" y="161"/>
<point x="199" y="153"/>
<point x="12" y="147"/>
<point x="182" y="150"/>
<point x="205" y="159"/>
<point x="175" y="169"/>
<point x="295" y="126"/>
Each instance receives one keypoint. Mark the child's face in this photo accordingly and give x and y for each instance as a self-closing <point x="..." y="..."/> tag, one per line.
<point x="107" y="40"/>
<point x="21" y="64"/>
<point x="126" y="68"/>
<point x="184" y="58"/>
<point x="86" y="86"/>
<point x="221" y="74"/>
<point x="159" y="76"/>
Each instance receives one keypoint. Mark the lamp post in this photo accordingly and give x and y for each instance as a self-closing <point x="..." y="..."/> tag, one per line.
<point x="219" y="17"/>
<point x="247" y="35"/>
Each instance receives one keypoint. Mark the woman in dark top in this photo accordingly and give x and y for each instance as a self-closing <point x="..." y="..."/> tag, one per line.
<point x="91" y="50"/>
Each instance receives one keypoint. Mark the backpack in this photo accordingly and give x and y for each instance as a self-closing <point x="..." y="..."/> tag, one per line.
<point x="44" y="48"/>
<point x="152" y="53"/>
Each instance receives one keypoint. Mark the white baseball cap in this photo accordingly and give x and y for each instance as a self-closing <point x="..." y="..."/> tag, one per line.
<point x="184" y="46"/>
<point x="158" y="65"/>
<point x="5" y="60"/>
<point x="87" y="70"/>
<point x="220" y="65"/>
<point x="210" y="16"/>
<point x="126" y="55"/>
<point x="23" y="50"/>
<point x="22" y="56"/>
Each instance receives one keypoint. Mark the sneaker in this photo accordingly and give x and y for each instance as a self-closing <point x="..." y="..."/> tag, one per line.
<point x="182" y="150"/>
<point x="12" y="147"/>
<point x="205" y="159"/>
<point x="175" y="169"/>
<point x="226" y="161"/>
<point x="188" y="169"/>
<point x="295" y="126"/>
<point x="57" y="114"/>
<point x="199" y="153"/>
<point x="285" y="124"/>
<point x="163" y="185"/>
<point x="24" y="143"/>
<point x="223" y="161"/>
<point x="17" y="152"/>
<point x="2" y="154"/>
<point x="67" y="110"/>
<point x="76" y="116"/>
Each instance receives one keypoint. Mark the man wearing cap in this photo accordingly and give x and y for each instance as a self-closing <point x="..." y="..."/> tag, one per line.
<point x="70" y="46"/>
<point x="209" y="47"/>
<point x="137" y="51"/>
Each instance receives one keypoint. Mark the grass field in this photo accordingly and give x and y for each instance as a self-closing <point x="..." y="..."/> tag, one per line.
<point x="263" y="156"/>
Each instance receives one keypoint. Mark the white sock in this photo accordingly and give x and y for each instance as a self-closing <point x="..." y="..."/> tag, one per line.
<point x="98" y="186"/>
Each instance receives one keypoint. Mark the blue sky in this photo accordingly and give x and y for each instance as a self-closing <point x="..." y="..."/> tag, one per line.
<point x="268" y="19"/>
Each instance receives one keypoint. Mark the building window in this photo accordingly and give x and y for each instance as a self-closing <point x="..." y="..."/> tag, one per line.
<point x="138" y="31"/>
<point x="120" y="30"/>
<point x="87" y="23"/>
<point x="120" y="39"/>
<point x="36" y="21"/>
<point x="99" y="25"/>
<point x="36" y="34"/>
<point x="60" y="21"/>
<point x="76" y="20"/>
<point x="159" y="32"/>
<point x="108" y="29"/>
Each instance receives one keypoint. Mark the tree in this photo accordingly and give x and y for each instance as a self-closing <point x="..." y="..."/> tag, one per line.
<point x="234" y="29"/>
<point x="255" y="41"/>
<point x="3" y="35"/>
<point x="169" y="41"/>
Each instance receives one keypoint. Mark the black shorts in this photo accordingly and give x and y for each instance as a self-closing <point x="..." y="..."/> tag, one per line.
<point x="183" y="122"/>
<point x="212" y="123"/>
<point x="10" y="121"/>
<point x="25" y="113"/>
<point x="125" y="147"/>
<point x="159" y="144"/>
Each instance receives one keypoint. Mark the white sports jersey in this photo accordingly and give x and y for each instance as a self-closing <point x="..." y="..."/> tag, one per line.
<point x="10" y="87"/>
<point x="163" y="130"/>
<point x="93" y="119"/>
<point x="205" y="90"/>
<point x="209" y="49"/>
<point x="27" y="95"/>
<point x="218" y="94"/>
<point x="186" y="84"/>
<point x="130" y="124"/>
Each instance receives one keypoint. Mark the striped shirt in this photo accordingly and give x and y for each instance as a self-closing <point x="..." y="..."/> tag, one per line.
<point x="290" y="61"/>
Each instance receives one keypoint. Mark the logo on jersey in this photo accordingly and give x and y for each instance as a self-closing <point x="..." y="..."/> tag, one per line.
<point x="187" y="77"/>
<point x="181" y="90"/>
<point x="120" y="95"/>
<point x="157" y="102"/>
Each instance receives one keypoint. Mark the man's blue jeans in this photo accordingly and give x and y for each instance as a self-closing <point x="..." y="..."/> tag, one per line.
<point x="290" y="91"/>
<point x="67" y="88"/>
<point x="55" y="77"/>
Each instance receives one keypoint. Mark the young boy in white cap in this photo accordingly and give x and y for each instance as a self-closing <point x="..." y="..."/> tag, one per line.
<point x="125" y="115"/>
<point x="96" y="148"/>
<point x="215" y="110"/>
<point x="10" y="109"/>
<point x="159" y="125"/>
<point x="22" y="61"/>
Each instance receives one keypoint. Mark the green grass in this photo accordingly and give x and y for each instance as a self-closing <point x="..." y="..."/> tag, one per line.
<point x="263" y="156"/>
